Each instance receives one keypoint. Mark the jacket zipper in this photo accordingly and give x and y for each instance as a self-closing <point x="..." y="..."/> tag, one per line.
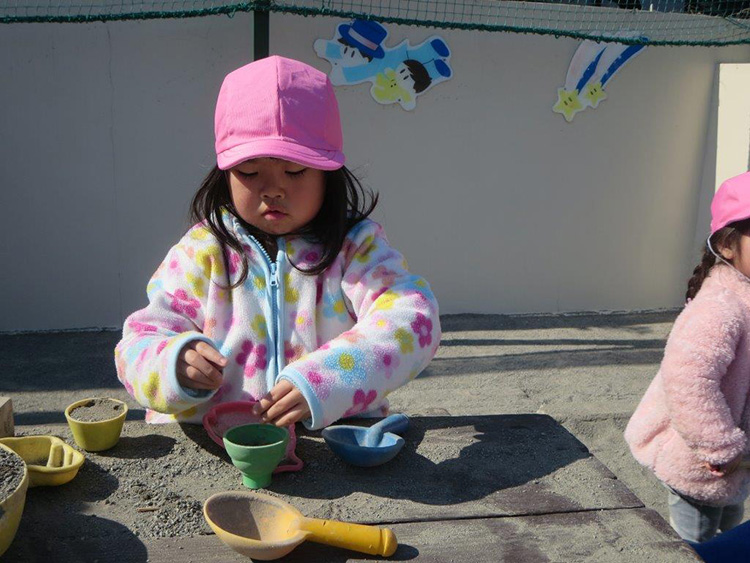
<point x="275" y="355"/>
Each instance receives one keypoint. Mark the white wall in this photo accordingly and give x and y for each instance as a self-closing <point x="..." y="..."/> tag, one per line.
<point x="107" y="131"/>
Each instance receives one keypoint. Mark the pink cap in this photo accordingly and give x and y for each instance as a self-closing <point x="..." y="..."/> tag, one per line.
<point x="731" y="202"/>
<point x="280" y="108"/>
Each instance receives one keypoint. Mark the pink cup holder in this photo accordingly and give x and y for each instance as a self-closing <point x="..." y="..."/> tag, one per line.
<point x="224" y="416"/>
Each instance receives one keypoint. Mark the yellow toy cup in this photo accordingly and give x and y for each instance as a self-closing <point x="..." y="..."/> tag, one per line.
<point x="100" y="435"/>
<point x="11" y="509"/>
<point x="49" y="460"/>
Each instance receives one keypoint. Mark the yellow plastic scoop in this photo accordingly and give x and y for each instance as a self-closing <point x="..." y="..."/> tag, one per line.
<point x="49" y="459"/>
<point x="263" y="527"/>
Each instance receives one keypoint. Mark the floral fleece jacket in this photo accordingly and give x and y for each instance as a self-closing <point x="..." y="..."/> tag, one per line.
<point x="345" y="338"/>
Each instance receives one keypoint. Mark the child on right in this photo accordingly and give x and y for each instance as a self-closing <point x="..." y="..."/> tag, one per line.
<point x="691" y="425"/>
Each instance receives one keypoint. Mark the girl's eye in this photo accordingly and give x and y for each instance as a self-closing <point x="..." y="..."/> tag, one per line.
<point x="296" y="173"/>
<point x="247" y="174"/>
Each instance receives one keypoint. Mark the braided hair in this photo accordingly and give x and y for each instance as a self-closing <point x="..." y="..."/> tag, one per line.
<point x="726" y="237"/>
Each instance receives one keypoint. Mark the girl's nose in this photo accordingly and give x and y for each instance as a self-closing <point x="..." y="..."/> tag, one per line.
<point x="272" y="190"/>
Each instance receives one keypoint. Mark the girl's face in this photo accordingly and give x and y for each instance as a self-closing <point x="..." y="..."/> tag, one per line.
<point x="276" y="196"/>
<point x="740" y="256"/>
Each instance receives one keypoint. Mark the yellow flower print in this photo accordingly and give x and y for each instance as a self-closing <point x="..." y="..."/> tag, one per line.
<point x="290" y="249"/>
<point x="198" y="285"/>
<point x="370" y="247"/>
<point x="259" y="282"/>
<point x="151" y="391"/>
<point x="385" y="301"/>
<point x="200" y="233"/>
<point x="405" y="339"/>
<point x="420" y="283"/>
<point x="259" y="326"/>
<point x="291" y="295"/>
<point x="210" y="262"/>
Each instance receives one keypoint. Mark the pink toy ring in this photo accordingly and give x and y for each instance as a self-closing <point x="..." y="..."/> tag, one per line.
<point x="224" y="416"/>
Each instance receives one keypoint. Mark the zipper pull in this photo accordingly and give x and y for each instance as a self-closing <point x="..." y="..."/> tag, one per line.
<point x="274" y="277"/>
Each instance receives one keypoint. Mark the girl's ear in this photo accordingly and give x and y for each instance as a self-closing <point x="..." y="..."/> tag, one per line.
<point x="726" y="253"/>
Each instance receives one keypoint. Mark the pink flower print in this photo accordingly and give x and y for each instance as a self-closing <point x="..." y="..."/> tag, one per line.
<point x="174" y="267"/>
<point x="252" y="357"/>
<point x="292" y="353"/>
<point x="422" y="327"/>
<point x="161" y="346"/>
<point x="177" y="327"/>
<point x="141" y="327"/>
<point x="310" y="257"/>
<point x="387" y="360"/>
<point x="387" y="277"/>
<point x="301" y="320"/>
<point x="361" y="401"/>
<point x="320" y="383"/>
<point x="183" y="303"/>
<point x="234" y="262"/>
<point x="352" y="336"/>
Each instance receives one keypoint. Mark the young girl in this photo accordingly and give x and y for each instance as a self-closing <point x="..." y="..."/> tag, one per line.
<point x="284" y="292"/>
<point x="691" y="426"/>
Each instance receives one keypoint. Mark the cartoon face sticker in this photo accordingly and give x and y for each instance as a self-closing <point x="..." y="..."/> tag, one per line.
<point x="399" y="74"/>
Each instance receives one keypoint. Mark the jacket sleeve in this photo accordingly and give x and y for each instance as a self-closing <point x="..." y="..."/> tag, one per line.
<point x="396" y="334"/>
<point x="146" y="357"/>
<point x="699" y="350"/>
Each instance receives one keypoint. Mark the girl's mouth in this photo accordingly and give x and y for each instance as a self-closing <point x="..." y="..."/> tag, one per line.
<point x="273" y="215"/>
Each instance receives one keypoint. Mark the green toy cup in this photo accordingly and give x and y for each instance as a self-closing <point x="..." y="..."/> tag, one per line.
<point x="256" y="450"/>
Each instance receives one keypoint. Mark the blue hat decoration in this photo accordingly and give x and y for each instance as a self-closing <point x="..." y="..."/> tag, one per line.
<point x="365" y="35"/>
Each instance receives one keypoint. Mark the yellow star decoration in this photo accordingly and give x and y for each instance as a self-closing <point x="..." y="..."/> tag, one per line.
<point x="568" y="104"/>
<point x="595" y="94"/>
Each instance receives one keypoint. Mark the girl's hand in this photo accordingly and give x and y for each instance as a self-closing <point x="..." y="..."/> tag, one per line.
<point x="200" y="366"/>
<point x="723" y="469"/>
<point x="283" y="405"/>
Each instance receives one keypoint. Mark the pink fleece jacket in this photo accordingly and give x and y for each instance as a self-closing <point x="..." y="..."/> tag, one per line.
<point x="695" y="409"/>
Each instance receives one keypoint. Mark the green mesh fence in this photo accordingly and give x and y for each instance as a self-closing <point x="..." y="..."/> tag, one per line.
<point x="661" y="22"/>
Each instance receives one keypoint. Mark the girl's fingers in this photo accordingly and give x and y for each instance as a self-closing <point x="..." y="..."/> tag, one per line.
<point x="281" y="406"/>
<point x="295" y="414"/>
<point x="277" y="392"/>
<point x="190" y="377"/>
<point x="197" y="361"/>
<point x="211" y="354"/>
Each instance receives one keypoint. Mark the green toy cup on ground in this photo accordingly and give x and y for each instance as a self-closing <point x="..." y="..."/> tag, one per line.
<point x="98" y="435"/>
<point x="256" y="450"/>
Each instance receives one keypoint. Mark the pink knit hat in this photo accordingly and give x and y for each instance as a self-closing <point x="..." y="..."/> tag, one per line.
<point x="280" y="108"/>
<point x="731" y="202"/>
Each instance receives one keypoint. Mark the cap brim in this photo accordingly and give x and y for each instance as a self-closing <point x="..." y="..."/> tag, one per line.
<point x="284" y="149"/>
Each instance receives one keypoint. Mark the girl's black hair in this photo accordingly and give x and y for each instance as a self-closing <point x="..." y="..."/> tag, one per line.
<point x="726" y="237"/>
<point x="345" y="204"/>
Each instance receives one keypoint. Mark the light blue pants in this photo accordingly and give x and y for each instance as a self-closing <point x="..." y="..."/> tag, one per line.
<point x="698" y="522"/>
